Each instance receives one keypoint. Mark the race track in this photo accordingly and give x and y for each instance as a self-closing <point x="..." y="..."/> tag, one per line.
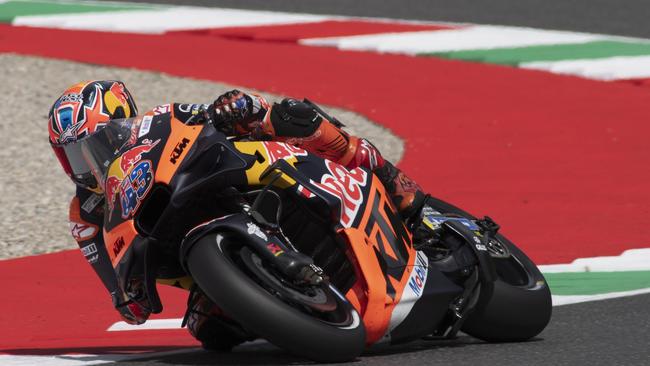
<point x="589" y="123"/>
<point x="584" y="334"/>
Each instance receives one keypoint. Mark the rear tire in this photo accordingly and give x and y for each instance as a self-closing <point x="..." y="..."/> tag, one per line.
<point x="216" y="270"/>
<point x="520" y="305"/>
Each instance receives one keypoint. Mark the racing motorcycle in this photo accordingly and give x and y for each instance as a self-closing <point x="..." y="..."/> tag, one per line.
<point x="299" y="250"/>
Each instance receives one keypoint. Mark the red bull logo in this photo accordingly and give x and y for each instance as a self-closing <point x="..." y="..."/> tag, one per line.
<point x="120" y="176"/>
<point x="116" y="97"/>
<point x="134" y="154"/>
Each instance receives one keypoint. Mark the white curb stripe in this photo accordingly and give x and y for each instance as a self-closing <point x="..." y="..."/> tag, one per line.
<point x="559" y="300"/>
<point x="162" y="20"/>
<point x="84" y="359"/>
<point x="629" y="260"/>
<point x="174" y="323"/>
<point x="63" y="360"/>
<point x="612" y="68"/>
<point x="471" y="38"/>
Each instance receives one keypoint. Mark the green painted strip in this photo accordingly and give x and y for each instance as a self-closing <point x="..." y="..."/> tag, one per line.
<point x="591" y="283"/>
<point x="11" y="9"/>
<point x="515" y="56"/>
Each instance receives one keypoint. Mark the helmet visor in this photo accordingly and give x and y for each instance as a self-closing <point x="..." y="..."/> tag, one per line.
<point x="91" y="156"/>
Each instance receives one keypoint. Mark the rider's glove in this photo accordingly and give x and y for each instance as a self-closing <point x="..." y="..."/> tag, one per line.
<point x="132" y="305"/>
<point x="238" y="113"/>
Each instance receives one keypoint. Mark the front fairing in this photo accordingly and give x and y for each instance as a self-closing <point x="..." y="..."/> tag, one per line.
<point x="152" y="155"/>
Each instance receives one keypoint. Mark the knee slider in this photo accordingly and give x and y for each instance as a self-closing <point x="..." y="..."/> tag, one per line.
<point x="293" y="118"/>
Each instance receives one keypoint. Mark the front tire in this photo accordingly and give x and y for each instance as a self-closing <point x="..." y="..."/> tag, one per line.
<point x="215" y="264"/>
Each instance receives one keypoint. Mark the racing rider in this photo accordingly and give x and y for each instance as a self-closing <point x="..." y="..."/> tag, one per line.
<point x="84" y="109"/>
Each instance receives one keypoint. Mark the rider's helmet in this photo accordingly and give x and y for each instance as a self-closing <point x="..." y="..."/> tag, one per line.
<point x="80" y="111"/>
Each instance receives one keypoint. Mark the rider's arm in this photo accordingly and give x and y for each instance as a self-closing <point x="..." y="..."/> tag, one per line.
<point x="303" y="124"/>
<point x="86" y="223"/>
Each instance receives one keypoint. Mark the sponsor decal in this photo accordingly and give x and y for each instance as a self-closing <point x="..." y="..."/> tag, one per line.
<point x="162" y="109"/>
<point x="122" y="167"/>
<point x="346" y="186"/>
<point x="481" y="247"/>
<point x="370" y="151"/>
<point x="118" y="245"/>
<point x="255" y="230"/>
<point x="305" y="192"/>
<point x="145" y="126"/>
<point x="196" y="108"/>
<point x="90" y="252"/>
<point x="412" y="292"/>
<point x="275" y="249"/>
<point x="134" y="187"/>
<point x="419" y="274"/>
<point x="81" y="232"/>
<point x="133" y="155"/>
<point x="278" y="150"/>
<point x="135" y="127"/>
<point x="91" y="203"/>
<point x="71" y="98"/>
<point x="437" y="220"/>
<point x="178" y="150"/>
<point x="185" y="108"/>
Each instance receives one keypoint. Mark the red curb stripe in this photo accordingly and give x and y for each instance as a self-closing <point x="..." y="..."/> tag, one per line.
<point x="329" y="28"/>
<point x="58" y="305"/>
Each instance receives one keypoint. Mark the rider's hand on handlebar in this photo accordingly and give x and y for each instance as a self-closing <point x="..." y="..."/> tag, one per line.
<point x="132" y="305"/>
<point x="237" y="112"/>
<point x="133" y="313"/>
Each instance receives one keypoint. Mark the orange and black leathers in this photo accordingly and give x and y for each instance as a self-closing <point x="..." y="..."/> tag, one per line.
<point x="86" y="221"/>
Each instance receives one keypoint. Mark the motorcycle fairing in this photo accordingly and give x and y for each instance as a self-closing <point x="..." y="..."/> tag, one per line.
<point x="384" y="257"/>
<point x="152" y="158"/>
<point x="380" y="246"/>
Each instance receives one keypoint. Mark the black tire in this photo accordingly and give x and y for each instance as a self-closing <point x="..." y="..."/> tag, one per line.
<point x="520" y="305"/>
<point x="215" y="270"/>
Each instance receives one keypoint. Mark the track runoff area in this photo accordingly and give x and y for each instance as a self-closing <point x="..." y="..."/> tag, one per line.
<point x="545" y="131"/>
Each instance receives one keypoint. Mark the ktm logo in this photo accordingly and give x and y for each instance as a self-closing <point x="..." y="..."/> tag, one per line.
<point x="178" y="150"/>
<point x="118" y="245"/>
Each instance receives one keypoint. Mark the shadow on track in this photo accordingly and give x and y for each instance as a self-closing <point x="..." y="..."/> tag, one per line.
<point x="262" y="353"/>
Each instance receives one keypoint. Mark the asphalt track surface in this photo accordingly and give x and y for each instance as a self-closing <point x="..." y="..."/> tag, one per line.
<point x="624" y="18"/>
<point x="612" y="332"/>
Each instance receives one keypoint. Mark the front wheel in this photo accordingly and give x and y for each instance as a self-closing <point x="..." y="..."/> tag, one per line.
<point x="315" y="322"/>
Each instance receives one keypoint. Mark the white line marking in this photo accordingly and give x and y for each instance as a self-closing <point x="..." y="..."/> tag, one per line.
<point x="152" y="324"/>
<point x="606" y="69"/>
<point x="559" y="300"/>
<point x="162" y="20"/>
<point x="62" y="360"/>
<point x="629" y="260"/>
<point x="470" y="38"/>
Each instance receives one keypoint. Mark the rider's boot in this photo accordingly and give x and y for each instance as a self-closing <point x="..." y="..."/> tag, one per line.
<point x="207" y="323"/>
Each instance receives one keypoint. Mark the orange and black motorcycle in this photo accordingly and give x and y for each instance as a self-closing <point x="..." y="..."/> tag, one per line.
<point x="299" y="250"/>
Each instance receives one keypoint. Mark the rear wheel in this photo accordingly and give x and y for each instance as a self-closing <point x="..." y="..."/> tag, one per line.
<point x="315" y="322"/>
<point x="520" y="307"/>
